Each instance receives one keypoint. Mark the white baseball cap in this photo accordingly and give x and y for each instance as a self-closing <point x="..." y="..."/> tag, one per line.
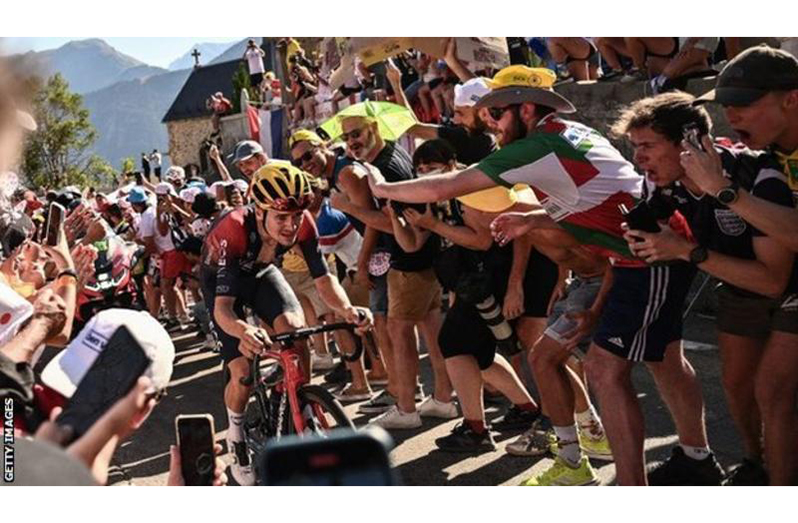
<point x="468" y="94"/>
<point x="66" y="370"/>
<point x="188" y="195"/>
<point x="165" y="188"/>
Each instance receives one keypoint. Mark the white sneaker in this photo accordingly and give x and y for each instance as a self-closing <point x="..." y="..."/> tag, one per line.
<point x="432" y="408"/>
<point x="241" y="468"/>
<point x="211" y="343"/>
<point x="394" y="418"/>
<point x="322" y="362"/>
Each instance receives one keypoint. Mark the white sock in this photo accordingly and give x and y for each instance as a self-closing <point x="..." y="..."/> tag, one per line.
<point x="235" y="420"/>
<point x="696" y="453"/>
<point x="568" y="444"/>
<point x="588" y="417"/>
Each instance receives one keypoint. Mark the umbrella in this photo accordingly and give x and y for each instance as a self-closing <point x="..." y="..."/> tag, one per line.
<point x="393" y="120"/>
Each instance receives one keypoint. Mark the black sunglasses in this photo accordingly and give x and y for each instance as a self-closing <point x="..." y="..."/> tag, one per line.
<point x="298" y="162"/>
<point x="497" y="112"/>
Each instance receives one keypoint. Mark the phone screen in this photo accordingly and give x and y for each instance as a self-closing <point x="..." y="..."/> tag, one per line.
<point x="195" y="439"/>
<point x="55" y="217"/>
<point x="111" y="377"/>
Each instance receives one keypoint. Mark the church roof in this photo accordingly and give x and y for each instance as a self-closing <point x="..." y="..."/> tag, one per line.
<point x="200" y="85"/>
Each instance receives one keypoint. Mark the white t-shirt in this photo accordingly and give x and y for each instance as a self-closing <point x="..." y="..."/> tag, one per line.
<point x="155" y="160"/>
<point x="255" y="61"/>
<point x="148" y="228"/>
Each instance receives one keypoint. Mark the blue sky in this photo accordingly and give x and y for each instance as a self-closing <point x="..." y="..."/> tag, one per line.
<point x="159" y="51"/>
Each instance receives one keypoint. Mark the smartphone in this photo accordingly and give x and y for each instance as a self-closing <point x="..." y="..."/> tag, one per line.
<point x="692" y="134"/>
<point x="112" y="375"/>
<point x="343" y="458"/>
<point x="55" y="217"/>
<point x="195" y="437"/>
<point x="641" y="217"/>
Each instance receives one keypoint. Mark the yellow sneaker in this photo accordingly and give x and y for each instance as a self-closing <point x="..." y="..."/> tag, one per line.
<point x="562" y="474"/>
<point x="596" y="446"/>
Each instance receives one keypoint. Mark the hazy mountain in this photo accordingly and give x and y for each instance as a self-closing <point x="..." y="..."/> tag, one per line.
<point x="208" y="51"/>
<point x="128" y="115"/>
<point x="233" y="52"/>
<point x="87" y="65"/>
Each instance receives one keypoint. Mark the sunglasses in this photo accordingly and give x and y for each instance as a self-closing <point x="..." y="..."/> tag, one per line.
<point x="298" y="162"/>
<point x="497" y="112"/>
<point x="353" y="134"/>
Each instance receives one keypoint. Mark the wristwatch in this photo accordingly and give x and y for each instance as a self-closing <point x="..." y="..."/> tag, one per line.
<point x="699" y="255"/>
<point x="728" y="195"/>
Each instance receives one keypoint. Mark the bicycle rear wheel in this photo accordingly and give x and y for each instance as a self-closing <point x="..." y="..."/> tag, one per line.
<point x="321" y="411"/>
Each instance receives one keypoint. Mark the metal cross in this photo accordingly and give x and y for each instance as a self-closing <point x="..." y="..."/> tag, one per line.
<point x="196" y="54"/>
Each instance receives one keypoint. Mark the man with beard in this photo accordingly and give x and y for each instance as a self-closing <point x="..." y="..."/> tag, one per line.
<point x="469" y="135"/>
<point x="581" y="180"/>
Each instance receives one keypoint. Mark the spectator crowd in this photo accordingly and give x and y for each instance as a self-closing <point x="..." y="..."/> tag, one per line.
<point x="516" y="246"/>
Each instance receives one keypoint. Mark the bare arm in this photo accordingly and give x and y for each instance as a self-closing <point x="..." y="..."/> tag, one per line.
<point x="455" y="64"/>
<point x="432" y="188"/>
<point x="471" y="235"/>
<point x="332" y="294"/>
<point x="358" y="200"/>
<point x="216" y="158"/>
<point x="424" y="131"/>
<point x="409" y="238"/>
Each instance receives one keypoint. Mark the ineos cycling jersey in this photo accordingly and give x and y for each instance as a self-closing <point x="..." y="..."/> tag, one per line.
<point x="237" y="243"/>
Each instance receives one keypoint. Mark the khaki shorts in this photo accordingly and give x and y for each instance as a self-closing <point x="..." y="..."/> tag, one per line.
<point x="302" y="285"/>
<point x="412" y="295"/>
<point x="358" y="294"/>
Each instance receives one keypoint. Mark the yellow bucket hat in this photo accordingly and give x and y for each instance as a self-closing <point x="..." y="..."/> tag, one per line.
<point x="498" y="199"/>
<point x="519" y="84"/>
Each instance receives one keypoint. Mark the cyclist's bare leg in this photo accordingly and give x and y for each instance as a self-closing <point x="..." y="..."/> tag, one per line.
<point x="236" y="395"/>
<point x="429" y="329"/>
<point x="405" y="346"/>
<point x="290" y="321"/>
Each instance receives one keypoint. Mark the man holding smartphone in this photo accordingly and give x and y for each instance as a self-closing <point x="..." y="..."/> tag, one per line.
<point x="756" y="271"/>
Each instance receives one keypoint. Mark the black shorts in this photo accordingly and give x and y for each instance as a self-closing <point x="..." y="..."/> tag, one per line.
<point x="539" y="282"/>
<point x="255" y="79"/>
<point x="269" y="296"/>
<point x="643" y="313"/>
<point x="465" y="333"/>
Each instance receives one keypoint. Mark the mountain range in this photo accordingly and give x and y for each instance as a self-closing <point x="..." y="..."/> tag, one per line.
<point x="126" y="98"/>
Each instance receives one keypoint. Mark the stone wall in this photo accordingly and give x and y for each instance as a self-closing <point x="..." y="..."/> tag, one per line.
<point x="185" y="139"/>
<point x="598" y="104"/>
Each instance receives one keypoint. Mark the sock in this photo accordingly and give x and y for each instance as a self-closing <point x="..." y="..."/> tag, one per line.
<point x="696" y="453"/>
<point x="589" y="420"/>
<point x="477" y="425"/>
<point x="235" y="420"/>
<point x="527" y="407"/>
<point x="568" y="444"/>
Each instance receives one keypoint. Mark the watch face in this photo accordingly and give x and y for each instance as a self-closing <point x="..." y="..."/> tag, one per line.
<point x="727" y="195"/>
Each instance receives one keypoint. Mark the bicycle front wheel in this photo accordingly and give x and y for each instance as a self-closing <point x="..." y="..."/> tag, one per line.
<point x="321" y="411"/>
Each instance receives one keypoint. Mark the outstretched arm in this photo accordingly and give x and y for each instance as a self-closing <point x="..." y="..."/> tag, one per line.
<point x="430" y="188"/>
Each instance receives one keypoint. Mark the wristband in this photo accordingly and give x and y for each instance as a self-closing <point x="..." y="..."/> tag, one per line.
<point x="67" y="273"/>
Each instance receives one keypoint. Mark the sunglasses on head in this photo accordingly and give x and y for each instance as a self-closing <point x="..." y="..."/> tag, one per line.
<point x="497" y="112"/>
<point x="298" y="162"/>
<point x="353" y="134"/>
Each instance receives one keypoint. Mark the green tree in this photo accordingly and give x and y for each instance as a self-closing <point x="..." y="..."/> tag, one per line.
<point x="57" y="153"/>
<point x="240" y="82"/>
<point x="128" y="165"/>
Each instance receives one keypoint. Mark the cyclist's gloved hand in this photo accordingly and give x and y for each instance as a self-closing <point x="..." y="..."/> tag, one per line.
<point x="253" y="341"/>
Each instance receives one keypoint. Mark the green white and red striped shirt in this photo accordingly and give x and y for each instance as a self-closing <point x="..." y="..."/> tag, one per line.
<point x="579" y="178"/>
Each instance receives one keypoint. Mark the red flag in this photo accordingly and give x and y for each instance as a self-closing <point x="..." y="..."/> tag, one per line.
<point x="254" y="123"/>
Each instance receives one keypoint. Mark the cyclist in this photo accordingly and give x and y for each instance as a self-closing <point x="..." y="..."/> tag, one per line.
<point x="239" y="270"/>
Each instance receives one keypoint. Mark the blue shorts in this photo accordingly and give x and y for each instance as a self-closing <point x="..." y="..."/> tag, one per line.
<point x="643" y="313"/>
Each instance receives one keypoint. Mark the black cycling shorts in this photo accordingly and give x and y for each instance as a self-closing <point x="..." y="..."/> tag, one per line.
<point x="465" y="333"/>
<point x="269" y="296"/>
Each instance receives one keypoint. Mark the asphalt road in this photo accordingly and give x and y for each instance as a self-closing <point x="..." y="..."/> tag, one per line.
<point x="197" y="386"/>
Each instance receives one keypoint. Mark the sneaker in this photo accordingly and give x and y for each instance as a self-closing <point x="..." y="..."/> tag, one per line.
<point x="241" y="468"/>
<point x="211" y="343"/>
<point x="749" y="473"/>
<point x="564" y="475"/>
<point x="338" y="375"/>
<point x="595" y="444"/>
<point x="515" y="419"/>
<point x="633" y="75"/>
<point x="322" y="361"/>
<point x="681" y="470"/>
<point x="350" y="394"/>
<point x="432" y="408"/>
<point x="380" y="403"/>
<point x="464" y="439"/>
<point x="394" y="418"/>
<point x="537" y="441"/>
